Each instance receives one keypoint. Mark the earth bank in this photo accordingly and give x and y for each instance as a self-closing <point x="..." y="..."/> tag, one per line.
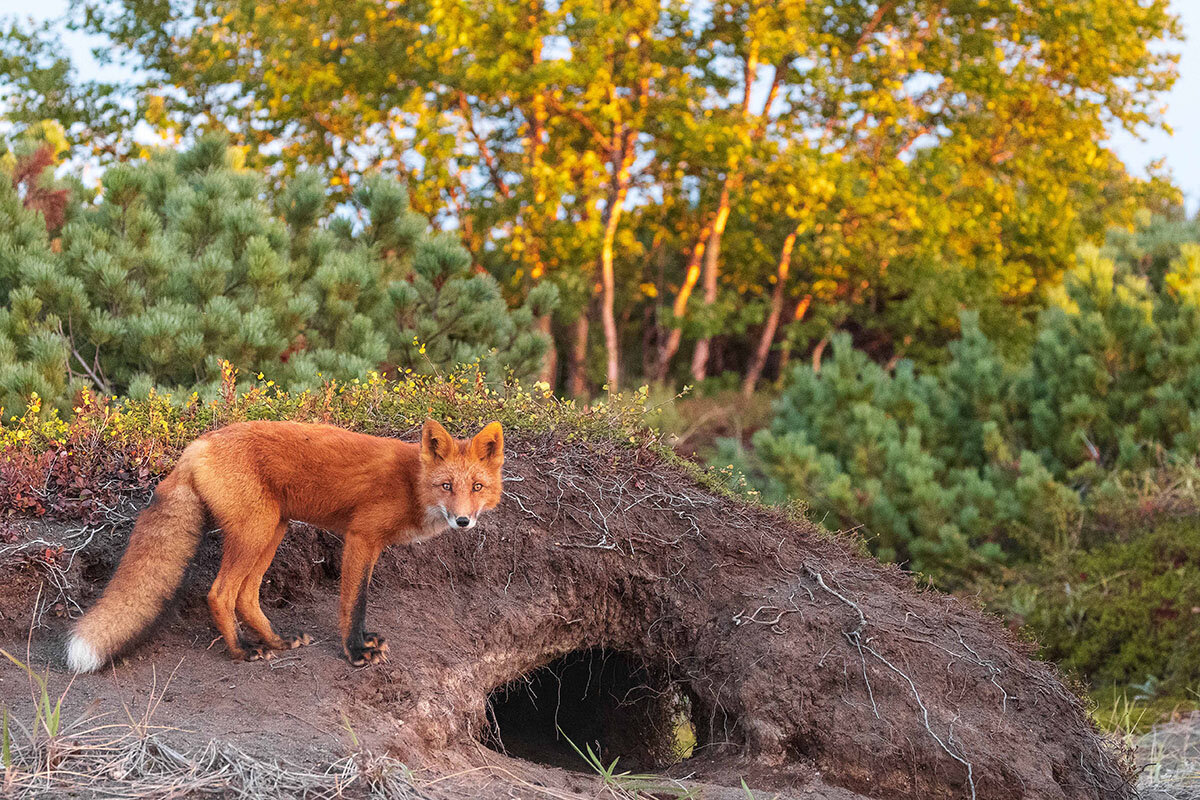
<point x="611" y="601"/>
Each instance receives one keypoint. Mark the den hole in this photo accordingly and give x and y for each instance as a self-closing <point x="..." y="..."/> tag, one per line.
<point x="611" y="702"/>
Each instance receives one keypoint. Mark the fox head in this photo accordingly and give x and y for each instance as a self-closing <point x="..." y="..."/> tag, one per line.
<point x="461" y="478"/>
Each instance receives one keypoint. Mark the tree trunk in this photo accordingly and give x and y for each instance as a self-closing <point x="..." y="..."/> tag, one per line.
<point x="532" y="216"/>
<point x="785" y="360"/>
<point x="772" y="324"/>
<point x="819" y="351"/>
<point x="712" y="255"/>
<point x="608" y="294"/>
<point x="785" y="350"/>
<point x="708" y="242"/>
<point x="577" y="367"/>
<point x="691" y="275"/>
<point x="619" y="188"/>
<point x="549" y="371"/>
<point x="733" y="181"/>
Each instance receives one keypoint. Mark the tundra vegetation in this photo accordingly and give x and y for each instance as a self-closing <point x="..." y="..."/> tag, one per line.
<point x="885" y="244"/>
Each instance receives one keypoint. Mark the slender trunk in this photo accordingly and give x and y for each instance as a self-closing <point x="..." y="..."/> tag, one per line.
<point x="577" y="366"/>
<point x="785" y="350"/>
<point x="670" y="345"/>
<point x="772" y="324"/>
<point x="549" y="370"/>
<point x="618" y="190"/>
<point x="732" y="182"/>
<point x="785" y="361"/>
<point x="712" y="257"/>
<point x="607" y="297"/>
<point x="819" y="351"/>
<point x="532" y="216"/>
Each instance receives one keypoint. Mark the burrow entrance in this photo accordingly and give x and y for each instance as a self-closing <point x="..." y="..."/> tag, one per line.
<point x="611" y="702"/>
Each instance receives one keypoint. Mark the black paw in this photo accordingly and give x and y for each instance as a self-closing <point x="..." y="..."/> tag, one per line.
<point x="376" y="641"/>
<point x="256" y="653"/>
<point x="299" y="640"/>
<point x="362" y="655"/>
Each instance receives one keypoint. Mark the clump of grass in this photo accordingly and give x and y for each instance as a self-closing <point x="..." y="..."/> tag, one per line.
<point x="1163" y="733"/>
<point x="750" y="795"/>
<point x="1131" y="712"/>
<point x="626" y="785"/>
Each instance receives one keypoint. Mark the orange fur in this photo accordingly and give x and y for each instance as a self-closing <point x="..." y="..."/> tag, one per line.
<point x="253" y="477"/>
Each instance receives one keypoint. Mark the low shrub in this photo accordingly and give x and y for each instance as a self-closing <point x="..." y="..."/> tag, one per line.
<point x="46" y="458"/>
<point x="1126" y="613"/>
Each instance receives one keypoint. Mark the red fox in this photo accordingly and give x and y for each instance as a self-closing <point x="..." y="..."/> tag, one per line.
<point x="252" y="477"/>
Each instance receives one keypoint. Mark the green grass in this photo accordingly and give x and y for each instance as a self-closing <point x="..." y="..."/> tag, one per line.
<point x="627" y="785"/>
<point x="1129" y="711"/>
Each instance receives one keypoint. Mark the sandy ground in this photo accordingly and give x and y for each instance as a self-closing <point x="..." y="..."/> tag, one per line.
<point x="1170" y="760"/>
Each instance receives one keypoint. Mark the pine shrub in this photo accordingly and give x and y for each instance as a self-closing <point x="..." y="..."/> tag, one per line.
<point x="989" y="460"/>
<point x="185" y="260"/>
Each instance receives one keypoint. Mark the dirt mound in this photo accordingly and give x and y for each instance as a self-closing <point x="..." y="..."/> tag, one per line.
<point x="612" y="602"/>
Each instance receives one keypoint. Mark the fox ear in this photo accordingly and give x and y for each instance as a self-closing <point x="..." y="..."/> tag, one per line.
<point x="436" y="442"/>
<point x="488" y="444"/>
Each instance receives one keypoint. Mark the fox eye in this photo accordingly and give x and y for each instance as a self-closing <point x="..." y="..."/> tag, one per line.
<point x="447" y="486"/>
<point x="478" y="487"/>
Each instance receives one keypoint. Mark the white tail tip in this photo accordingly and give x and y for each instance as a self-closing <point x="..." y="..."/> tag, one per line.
<point x="81" y="656"/>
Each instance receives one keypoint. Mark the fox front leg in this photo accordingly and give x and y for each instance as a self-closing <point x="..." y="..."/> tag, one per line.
<point x="358" y="564"/>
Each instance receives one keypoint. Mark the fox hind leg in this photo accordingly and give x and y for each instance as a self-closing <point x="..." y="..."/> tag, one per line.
<point x="248" y="603"/>
<point x="222" y="598"/>
<point x="243" y="546"/>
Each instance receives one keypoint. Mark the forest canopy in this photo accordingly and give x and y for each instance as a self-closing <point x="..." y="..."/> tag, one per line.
<point x="709" y="186"/>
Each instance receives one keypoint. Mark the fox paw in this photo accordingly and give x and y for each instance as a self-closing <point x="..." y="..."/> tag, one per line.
<point x="374" y="640"/>
<point x="368" y="653"/>
<point x="257" y="653"/>
<point x="300" y="640"/>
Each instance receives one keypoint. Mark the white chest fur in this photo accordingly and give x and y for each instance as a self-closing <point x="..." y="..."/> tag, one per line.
<point x="435" y="524"/>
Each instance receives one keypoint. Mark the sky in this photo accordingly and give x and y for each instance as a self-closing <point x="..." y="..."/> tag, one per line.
<point x="1179" y="150"/>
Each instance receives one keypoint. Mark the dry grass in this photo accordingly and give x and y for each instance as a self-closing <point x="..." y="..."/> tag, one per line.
<point x="1165" y="740"/>
<point x="1169" y="756"/>
<point x="44" y="754"/>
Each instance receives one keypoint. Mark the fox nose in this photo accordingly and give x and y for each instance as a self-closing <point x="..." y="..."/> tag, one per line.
<point x="463" y="522"/>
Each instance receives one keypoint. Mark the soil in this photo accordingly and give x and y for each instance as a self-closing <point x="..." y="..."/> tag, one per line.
<point x="613" y="601"/>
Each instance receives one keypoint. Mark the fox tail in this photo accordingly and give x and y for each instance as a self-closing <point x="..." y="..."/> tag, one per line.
<point x="163" y="543"/>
